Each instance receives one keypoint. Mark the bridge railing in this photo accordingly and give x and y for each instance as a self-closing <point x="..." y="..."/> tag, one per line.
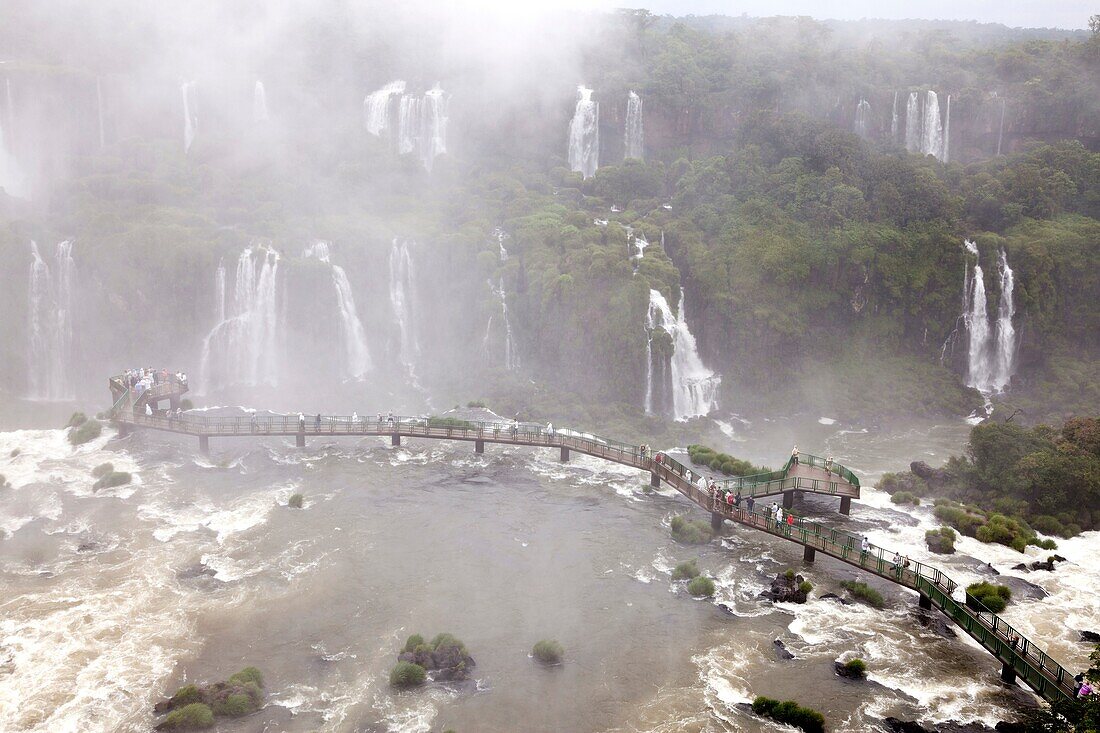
<point x="774" y="482"/>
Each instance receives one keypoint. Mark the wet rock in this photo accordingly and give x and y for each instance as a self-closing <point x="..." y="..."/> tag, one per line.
<point x="1022" y="566"/>
<point x="835" y="597"/>
<point x="198" y="570"/>
<point x="87" y="546"/>
<point x="1006" y="727"/>
<point x="447" y="662"/>
<point x="1090" y="637"/>
<point x="848" y="673"/>
<point x="781" y="650"/>
<point x="786" y="589"/>
<point x="909" y="726"/>
<point x="1022" y="589"/>
<point x="934" y="623"/>
<point x="935" y="477"/>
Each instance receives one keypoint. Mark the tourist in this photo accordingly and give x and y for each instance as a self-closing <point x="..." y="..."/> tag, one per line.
<point x="301" y="423"/>
<point x="829" y="466"/>
<point x="354" y="418"/>
<point x="737" y="500"/>
<point x="778" y="514"/>
<point x="794" y="456"/>
<point x="1085" y="689"/>
<point x="1077" y="682"/>
<point x="179" y="413"/>
<point x="864" y="548"/>
<point x="183" y="379"/>
<point x="790" y="523"/>
<point x="750" y="503"/>
<point x="550" y="429"/>
<point x="252" y="422"/>
<point x="897" y="564"/>
<point x="148" y="410"/>
<point x="317" y="423"/>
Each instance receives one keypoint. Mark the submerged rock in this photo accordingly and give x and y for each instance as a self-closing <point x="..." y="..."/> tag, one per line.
<point x="951" y="726"/>
<point x="835" y="597"/>
<point x="934" y="623"/>
<point x="447" y="662"/>
<point x="781" y="650"/>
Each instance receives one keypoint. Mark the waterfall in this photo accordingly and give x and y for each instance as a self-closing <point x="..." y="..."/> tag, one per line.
<point x="912" y="123"/>
<point x="434" y="126"/>
<point x="11" y="179"/>
<point x="992" y="352"/>
<point x="584" y="134"/>
<point x="1005" y="346"/>
<point x="635" y="132"/>
<point x="376" y="107"/>
<point x="932" y="132"/>
<point x="863" y="116"/>
<point x="894" y="120"/>
<point x="979" y="368"/>
<point x="259" y="103"/>
<point x="640" y="243"/>
<point x="357" y="360"/>
<point x="219" y="290"/>
<point x="50" y="326"/>
<point x="511" y="353"/>
<point x="408" y="125"/>
<point x="946" y="154"/>
<point x="402" y="295"/>
<point x="190" y="120"/>
<point x="1001" y="127"/>
<point x="244" y="347"/>
<point x="694" y="387"/>
<point x="99" y="113"/>
<point x="503" y="252"/>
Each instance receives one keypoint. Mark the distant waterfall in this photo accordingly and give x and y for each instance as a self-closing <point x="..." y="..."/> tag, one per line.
<point x="511" y="351"/>
<point x="992" y="346"/>
<point x="408" y="125"/>
<point x="259" y="103"/>
<point x="945" y="154"/>
<point x="1001" y="127"/>
<point x="694" y="387"/>
<point x="635" y="132"/>
<point x="932" y="130"/>
<point x="433" y="141"/>
<point x="912" y="123"/>
<point x="376" y="107"/>
<point x="402" y="295"/>
<point x="244" y="348"/>
<point x="357" y="360"/>
<point x="863" y="117"/>
<point x="219" y="290"/>
<point x="502" y="251"/>
<point x="50" y="324"/>
<point x="190" y="120"/>
<point x="894" y="120"/>
<point x="11" y="179"/>
<point x="584" y="135"/>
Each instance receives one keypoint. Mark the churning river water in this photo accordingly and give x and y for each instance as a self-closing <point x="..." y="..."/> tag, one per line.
<point x="113" y="598"/>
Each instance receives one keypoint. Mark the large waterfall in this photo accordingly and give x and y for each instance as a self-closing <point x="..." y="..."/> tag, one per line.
<point x="50" y="324"/>
<point x="402" y="296"/>
<point x="357" y="360"/>
<point x="894" y="120"/>
<point x="635" y="132"/>
<point x="912" y="123"/>
<point x="433" y="140"/>
<point x="259" y="103"/>
<point x="190" y="119"/>
<point x="245" y="347"/>
<point x="11" y="179"/>
<point x="991" y="355"/>
<point x="932" y="128"/>
<point x="694" y="387"/>
<point x="584" y="134"/>
<point x="376" y="107"/>
<point x="863" y="117"/>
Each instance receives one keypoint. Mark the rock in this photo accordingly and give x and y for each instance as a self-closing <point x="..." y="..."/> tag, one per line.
<point x="1057" y="558"/>
<point x="245" y="687"/>
<point x="935" y="477"/>
<point x="835" y="597"/>
<point x="1023" y="567"/>
<point x="1006" y="727"/>
<point x="87" y="546"/>
<point x="448" y="663"/>
<point x="198" y="570"/>
<point x="843" y="671"/>
<point x="786" y="590"/>
<point x="781" y="650"/>
<point x="934" y="623"/>
<point x="1048" y="565"/>
<point x="1090" y="637"/>
<point x="952" y="726"/>
<point x="1022" y="589"/>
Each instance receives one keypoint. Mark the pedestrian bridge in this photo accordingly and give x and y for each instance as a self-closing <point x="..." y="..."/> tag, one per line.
<point x="1020" y="657"/>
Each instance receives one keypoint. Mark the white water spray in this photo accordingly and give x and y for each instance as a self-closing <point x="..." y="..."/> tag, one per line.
<point x="694" y="386"/>
<point x="863" y="117"/>
<point x="932" y="128"/>
<point x="50" y="325"/>
<point x="635" y="131"/>
<point x="190" y="120"/>
<point x="1005" y="348"/>
<point x="433" y="142"/>
<point x="894" y="120"/>
<point x="992" y="346"/>
<point x="402" y="295"/>
<point x="945" y="155"/>
<point x="912" y="123"/>
<point x="357" y="360"/>
<point x="11" y="178"/>
<point x="584" y="134"/>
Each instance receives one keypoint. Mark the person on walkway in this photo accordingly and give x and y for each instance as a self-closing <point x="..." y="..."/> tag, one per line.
<point x="773" y="510"/>
<point x="317" y="423"/>
<point x="750" y="503"/>
<point x="515" y="428"/>
<point x="354" y="417"/>
<point x="252" y="422"/>
<point x="301" y="423"/>
<point x="737" y="500"/>
<point x="778" y="515"/>
<point x="829" y="466"/>
<point x="864" y="548"/>
<point x="148" y="410"/>
<point x="896" y="564"/>
<point x="550" y="429"/>
<point x="1086" y="689"/>
<point x="790" y="523"/>
<point x="794" y="456"/>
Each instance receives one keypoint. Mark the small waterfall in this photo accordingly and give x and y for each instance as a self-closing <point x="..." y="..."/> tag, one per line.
<point x="402" y="296"/>
<point x="584" y="134"/>
<point x="190" y="120"/>
<point x="1001" y="127"/>
<point x="946" y="151"/>
<point x="408" y="125"/>
<point x="219" y="290"/>
<point x="50" y="324"/>
<point x="894" y="120"/>
<point x="259" y="103"/>
<point x="244" y="347"/>
<point x="433" y="141"/>
<point x="376" y="107"/>
<point x="1005" y="346"/>
<point x="912" y="123"/>
<point x="635" y="132"/>
<point x="932" y="131"/>
<point x="357" y="360"/>
<point x="99" y="113"/>
<point x="11" y="179"/>
<point x="979" y="368"/>
<point x="694" y="387"/>
<point x="503" y="252"/>
<point x="511" y="353"/>
<point x="992" y="352"/>
<point x="863" y="117"/>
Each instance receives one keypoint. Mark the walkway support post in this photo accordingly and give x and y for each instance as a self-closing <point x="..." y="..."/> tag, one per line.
<point x="788" y="499"/>
<point x="124" y="429"/>
<point x="846" y="505"/>
<point x="204" y="444"/>
<point x="925" y="602"/>
<point x="479" y="446"/>
<point x="716" y="520"/>
<point x="300" y="440"/>
<point x="655" y="480"/>
<point x="564" y="454"/>
<point x="395" y="439"/>
<point x="808" y="554"/>
<point x="174" y="401"/>
<point x="1008" y="674"/>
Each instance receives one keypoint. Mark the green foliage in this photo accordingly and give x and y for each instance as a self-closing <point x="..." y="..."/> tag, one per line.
<point x="701" y="455"/>
<point x="904" y="497"/>
<point x="685" y="571"/>
<point x="548" y="651"/>
<point x="864" y="592"/>
<point x="991" y="596"/>
<point x="295" y="501"/>
<point x="701" y="587"/>
<point x="450" y="422"/>
<point x="447" y="640"/>
<point x="185" y="696"/>
<point x="235" y="705"/>
<point x="76" y="420"/>
<point x="190" y="717"/>
<point x="112" y="479"/>
<point x="789" y="574"/>
<point x="85" y="431"/>
<point x="248" y="675"/>
<point x="476" y="403"/>
<point x="805" y="586"/>
<point x="412" y="643"/>
<point x="407" y="674"/>
<point x="941" y="541"/>
<point x="856" y="667"/>
<point x="690" y="532"/>
<point x="186" y="404"/>
<point x="102" y="470"/>
<point x="791" y="713"/>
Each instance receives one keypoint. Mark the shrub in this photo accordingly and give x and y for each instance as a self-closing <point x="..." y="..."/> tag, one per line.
<point x="701" y="587"/>
<point x="941" y="541"/>
<point x="992" y="596"/>
<point x="103" y="469"/>
<point x="805" y="586"/>
<point x="791" y="713"/>
<point x="864" y="592"/>
<point x="548" y="651"/>
<point x="295" y="501"/>
<point x="407" y="674"/>
<point x="690" y="532"/>
<point x="412" y="643"/>
<point x="476" y="403"/>
<point x="186" y="404"/>
<point x="685" y="571"/>
<point x="789" y="574"/>
<point x="246" y="676"/>
<point x="114" y="478"/>
<point x="856" y="667"/>
<point x="1047" y="544"/>
<point x="442" y="641"/>
<point x="904" y="497"/>
<point x="185" y="696"/>
<point x="76" y="420"/>
<point x="235" y="706"/>
<point x="450" y="422"/>
<point x="84" y="432"/>
<point x="190" y="717"/>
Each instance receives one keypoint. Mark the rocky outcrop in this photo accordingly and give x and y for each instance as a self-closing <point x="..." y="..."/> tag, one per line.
<point x="781" y="650"/>
<point x="909" y="726"/>
<point x="1047" y="564"/>
<point x="787" y="588"/>
<point x="446" y="662"/>
<point x="835" y="597"/>
<point x="241" y="694"/>
<point x="934" y="623"/>
<point x="1090" y="637"/>
<point x="936" y="478"/>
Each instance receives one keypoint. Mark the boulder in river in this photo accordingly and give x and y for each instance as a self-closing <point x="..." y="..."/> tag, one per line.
<point x="909" y="726"/>
<point x="788" y="588"/>
<point x="446" y="657"/>
<point x="1090" y="637"/>
<point x="781" y="650"/>
<point x="934" y="623"/>
<point x="835" y="597"/>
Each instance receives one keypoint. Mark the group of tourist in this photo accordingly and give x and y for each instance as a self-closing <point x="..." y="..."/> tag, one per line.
<point x="144" y="378"/>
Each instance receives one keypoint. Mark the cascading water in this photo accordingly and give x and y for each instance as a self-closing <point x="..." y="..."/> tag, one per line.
<point x="1005" y="346"/>
<point x="894" y="120"/>
<point x="408" y="125"/>
<point x="1001" y="127"/>
<point x="992" y="347"/>
<point x="912" y="123"/>
<point x="635" y="132"/>
<point x="863" y="117"/>
<point x="357" y="360"/>
<point x="584" y="134"/>
<point x="50" y="326"/>
<point x="190" y="120"/>
<point x="932" y="128"/>
<point x="244" y="347"/>
<point x="979" y="367"/>
<point x="402" y="295"/>
<point x="376" y="107"/>
<point x="503" y="252"/>
<point x="11" y="178"/>
<point x="511" y="352"/>
<point x="433" y="115"/>
<point x="259" y="103"/>
<point x="694" y="387"/>
<point x="945" y="155"/>
<point x="219" y="290"/>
